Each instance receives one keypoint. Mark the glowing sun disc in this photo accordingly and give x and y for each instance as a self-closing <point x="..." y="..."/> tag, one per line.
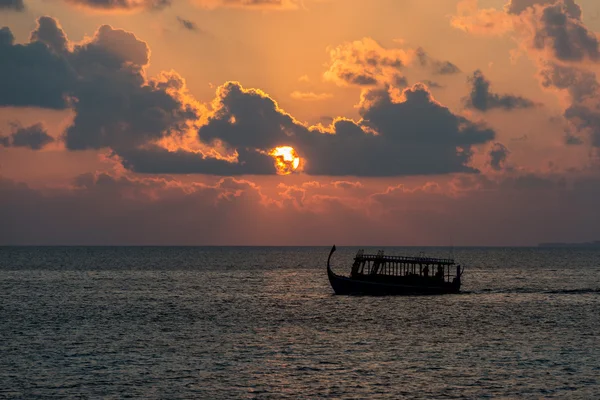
<point x="286" y="159"/>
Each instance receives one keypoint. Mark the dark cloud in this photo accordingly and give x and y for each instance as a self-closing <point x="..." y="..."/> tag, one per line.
<point x="445" y="68"/>
<point x="437" y="67"/>
<point x="49" y="32"/>
<point x="432" y="84"/>
<point x="482" y="99"/>
<point x="564" y="49"/>
<point x="498" y="155"/>
<point x="568" y="46"/>
<point x="187" y="24"/>
<point x="103" y="80"/>
<point x="33" y="75"/>
<point x="572" y="140"/>
<point x="414" y="136"/>
<point x="347" y="185"/>
<point x="15" y="5"/>
<point x="518" y="6"/>
<point x="117" y="106"/>
<point x="147" y="121"/>
<point x="249" y="118"/>
<point x="110" y="50"/>
<point x="566" y="36"/>
<point x="580" y="84"/>
<point x="156" y="160"/>
<point x="33" y="137"/>
<point x="583" y="113"/>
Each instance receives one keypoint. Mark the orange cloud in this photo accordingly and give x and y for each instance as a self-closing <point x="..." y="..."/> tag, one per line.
<point x="251" y="4"/>
<point x="111" y="6"/>
<point x="310" y="96"/>
<point x="364" y="62"/>
<point x="470" y="18"/>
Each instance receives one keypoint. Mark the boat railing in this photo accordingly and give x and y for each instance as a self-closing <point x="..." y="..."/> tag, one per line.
<point x="418" y="260"/>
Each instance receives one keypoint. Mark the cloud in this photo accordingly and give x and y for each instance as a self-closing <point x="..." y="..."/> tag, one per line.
<point x="498" y="155"/>
<point x="139" y="5"/>
<point x="12" y="5"/>
<point x="565" y="51"/>
<point x="103" y="80"/>
<point x="49" y="32"/>
<point x="437" y="67"/>
<point x="347" y="185"/>
<point x="153" y="125"/>
<point x="519" y="6"/>
<point x="310" y="96"/>
<point x="187" y="24"/>
<point x="583" y="110"/>
<point x="564" y="34"/>
<point x="412" y="135"/>
<point x="101" y="209"/>
<point x="554" y="26"/>
<point x="432" y="84"/>
<point x="118" y="107"/>
<point x="365" y="63"/>
<point x="158" y="160"/>
<point x="470" y="18"/>
<point x="33" y="137"/>
<point x="33" y="75"/>
<point x="251" y="4"/>
<point x="482" y="99"/>
<point x="121" y="5"/>
<point x="126" y="210"/>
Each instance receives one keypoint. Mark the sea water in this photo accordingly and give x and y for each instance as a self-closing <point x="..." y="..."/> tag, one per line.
<point x="235" y="322"/>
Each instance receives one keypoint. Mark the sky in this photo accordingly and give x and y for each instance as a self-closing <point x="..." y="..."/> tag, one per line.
<point x="299" y="122"/>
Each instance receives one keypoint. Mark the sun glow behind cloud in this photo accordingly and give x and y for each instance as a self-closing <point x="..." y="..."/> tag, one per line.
<point x="286" y="159"/>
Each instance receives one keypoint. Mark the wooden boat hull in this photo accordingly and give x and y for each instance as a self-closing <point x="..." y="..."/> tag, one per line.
<point x="348" y="286"/>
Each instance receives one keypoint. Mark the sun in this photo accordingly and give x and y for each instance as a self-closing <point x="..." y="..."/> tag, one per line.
<point x="286" y="159"/>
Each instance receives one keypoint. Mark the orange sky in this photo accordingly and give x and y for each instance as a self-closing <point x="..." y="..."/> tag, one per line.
<point x="416" y="122"/>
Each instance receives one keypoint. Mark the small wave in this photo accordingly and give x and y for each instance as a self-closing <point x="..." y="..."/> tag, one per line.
<point x="574" y="291"/>
<point x="534" y="291"/>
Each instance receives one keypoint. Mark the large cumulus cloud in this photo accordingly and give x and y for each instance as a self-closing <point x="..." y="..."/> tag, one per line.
<point x="103" y="80"/>
<point x="410" y="135"/>
<point x="153" y="125"/>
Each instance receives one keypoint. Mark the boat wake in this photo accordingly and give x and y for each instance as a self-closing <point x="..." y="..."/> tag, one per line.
<point x="534" y="291"/>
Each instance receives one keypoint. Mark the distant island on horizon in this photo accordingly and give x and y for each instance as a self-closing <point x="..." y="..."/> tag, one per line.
<point x="595" y="243"/>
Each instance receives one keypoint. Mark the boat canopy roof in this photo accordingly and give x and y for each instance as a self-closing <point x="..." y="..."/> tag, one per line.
<point x="360" y="256"/>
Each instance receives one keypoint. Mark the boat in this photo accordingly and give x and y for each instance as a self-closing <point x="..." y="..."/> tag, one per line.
<point x="380" y="275"/>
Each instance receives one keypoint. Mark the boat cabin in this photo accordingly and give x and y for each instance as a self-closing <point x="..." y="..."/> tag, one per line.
<point x="381" y="267"/>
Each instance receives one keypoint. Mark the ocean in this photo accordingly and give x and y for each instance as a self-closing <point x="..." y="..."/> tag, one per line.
<point x="263" y="323"/>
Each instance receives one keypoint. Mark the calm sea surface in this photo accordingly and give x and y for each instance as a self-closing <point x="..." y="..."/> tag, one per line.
<point x="228" y="323"/>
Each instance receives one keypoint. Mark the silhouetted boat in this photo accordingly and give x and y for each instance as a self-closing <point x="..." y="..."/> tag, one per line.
<point x="396" y="275"/>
